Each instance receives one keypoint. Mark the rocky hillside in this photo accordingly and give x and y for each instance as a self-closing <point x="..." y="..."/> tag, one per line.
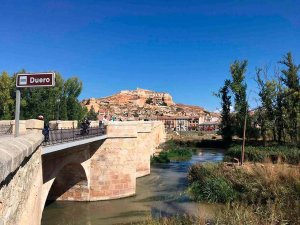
<point x="141" y="104"/>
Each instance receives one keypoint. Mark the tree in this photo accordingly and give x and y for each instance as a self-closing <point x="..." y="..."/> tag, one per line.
<point x="149" y="101"/>
<point x="53" y="102"/>
<point x="280" y="113"/>
<point x="267" y="111"/>
<point x="226" y="119"/>
<point x="290" y="79"/>
<point x="6" y="100"/>
<point x="239" y="87"/>
<point x="92" y="115"/>
<point x="72" y="90"/>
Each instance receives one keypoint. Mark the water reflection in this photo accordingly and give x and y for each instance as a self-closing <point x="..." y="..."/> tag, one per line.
<point x="161" y="193"/>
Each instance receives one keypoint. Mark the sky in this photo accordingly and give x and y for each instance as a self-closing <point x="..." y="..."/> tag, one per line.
<point x="183" y="47"/>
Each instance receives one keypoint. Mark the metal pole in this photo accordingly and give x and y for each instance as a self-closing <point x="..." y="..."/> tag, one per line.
<point x="17" y="113"/>
<point x="244" y="131"/>
<point x="244" y="139"/>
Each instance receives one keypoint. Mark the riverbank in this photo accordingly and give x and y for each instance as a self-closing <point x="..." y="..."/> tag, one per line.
<point x="264" y="191"/>
<point x="257" y="193"/>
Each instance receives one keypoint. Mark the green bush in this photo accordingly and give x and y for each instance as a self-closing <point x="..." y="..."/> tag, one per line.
<point x="171" y="151"/>
<point x="214" y="189"/>
<point x="217" y="189"/>
<point x="199" y="172"/>
<point x="207" y="184"/>
<point x="180" y="154"/>
<point x="161" y="158"/>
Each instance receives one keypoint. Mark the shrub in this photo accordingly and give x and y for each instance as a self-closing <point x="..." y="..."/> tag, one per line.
<point x="149" y="101"/>
<point x="215" y="189"/>
<point x="207" y="184"/>
<point x="171" y="151"/>
<point x="199" y="172"/>
<point x="180" y="154"/>
<point x="161" y="158"/>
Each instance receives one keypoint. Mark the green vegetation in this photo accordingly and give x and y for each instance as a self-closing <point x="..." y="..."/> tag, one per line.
<point x="226" y="129"/>
<point x="262" y="194"/>
<point x="275" y="154"/>
<point x="205" y="184"/>
<point x="171" y="151"/>
<point x="161" y="158"/>
<point x="92" y="115"/>
<point x="149" y="101"/>
<point x="278" y="116"/>
<point x="59" y="102"/>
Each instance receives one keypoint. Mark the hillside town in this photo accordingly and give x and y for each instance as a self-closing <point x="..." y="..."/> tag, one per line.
<point x="142" y="104"/>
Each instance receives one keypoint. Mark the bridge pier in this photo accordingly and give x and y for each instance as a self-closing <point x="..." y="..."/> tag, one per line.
<point x="144" y="149"/>
<point x="113" y="166"/>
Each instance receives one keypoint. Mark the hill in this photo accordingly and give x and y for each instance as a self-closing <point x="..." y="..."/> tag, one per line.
<point x="142" y="104"/>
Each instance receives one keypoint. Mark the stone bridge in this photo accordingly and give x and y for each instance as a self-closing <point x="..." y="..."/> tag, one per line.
<point x="97" y="168"/>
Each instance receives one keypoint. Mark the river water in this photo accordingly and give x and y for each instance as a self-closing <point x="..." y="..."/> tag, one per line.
<point x="161" y="193"/>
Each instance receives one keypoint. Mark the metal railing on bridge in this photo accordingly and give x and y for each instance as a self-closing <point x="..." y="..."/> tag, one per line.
<point x="58" y="136"/>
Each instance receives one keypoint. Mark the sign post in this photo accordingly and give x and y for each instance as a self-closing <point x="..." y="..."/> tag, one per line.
<point x="30" y="80"/>
<point x="17" y="112"/>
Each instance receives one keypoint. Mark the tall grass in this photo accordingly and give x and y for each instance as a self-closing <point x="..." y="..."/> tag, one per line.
<point x="259" y="194"/>
<point x="275" y="154"/>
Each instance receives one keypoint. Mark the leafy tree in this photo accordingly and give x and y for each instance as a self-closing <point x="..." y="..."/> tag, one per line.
<point x="92" y="115"/>
<point x="290" y="79"/>
<point x="6" y="100"/>
<point x="226" y="119"/>
<point x="280" y="113"/>
<point x="239" y="87"/>
<point x="267" y="111"/>
<point x="59" y="102"/>
<point x="72" y="90"/>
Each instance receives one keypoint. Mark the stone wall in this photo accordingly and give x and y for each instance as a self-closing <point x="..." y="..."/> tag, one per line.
<point x="34" y="126"/>
<point x="25" y="127"/>
<point x="21" y="180"/>
<point x="11" y="126"/>
<point x="63" y="124"/>
<point x="113" y="166"/>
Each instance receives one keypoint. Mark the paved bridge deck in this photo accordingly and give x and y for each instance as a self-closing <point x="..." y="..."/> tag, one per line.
<point x="62" y="146"/>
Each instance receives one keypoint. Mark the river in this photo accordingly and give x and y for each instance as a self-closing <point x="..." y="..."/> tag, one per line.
<point x="161" y="193"/>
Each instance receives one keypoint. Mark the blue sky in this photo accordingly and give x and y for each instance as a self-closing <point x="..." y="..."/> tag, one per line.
<point x="181" y="47"/>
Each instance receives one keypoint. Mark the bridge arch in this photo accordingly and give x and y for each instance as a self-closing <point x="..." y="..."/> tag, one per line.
<point x="71" y="183"/>
<point x="65" y="177"/>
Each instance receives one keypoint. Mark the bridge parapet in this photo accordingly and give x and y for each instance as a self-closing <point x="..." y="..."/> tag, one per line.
<point x="126" y="129"/>
<point x="20" y="179"/>
<point x="25" y="127"/>
<point x="63" y="124"/>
